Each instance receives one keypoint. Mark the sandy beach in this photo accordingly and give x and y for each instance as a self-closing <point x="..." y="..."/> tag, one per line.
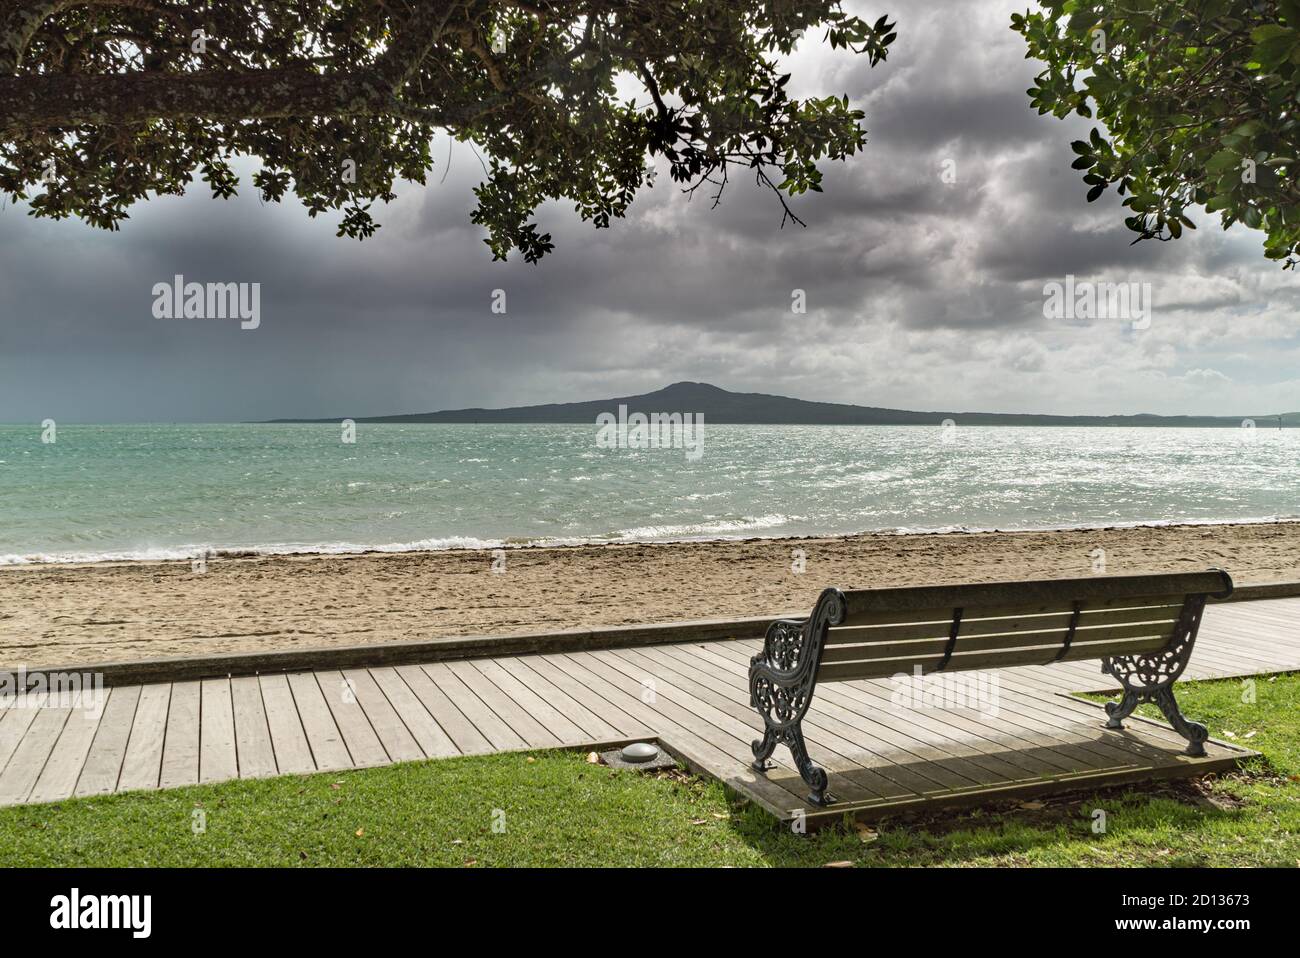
<point x="78" y="614"/>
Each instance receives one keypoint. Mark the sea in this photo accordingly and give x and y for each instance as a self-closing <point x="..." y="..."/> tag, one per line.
<point x="114" y="492"/>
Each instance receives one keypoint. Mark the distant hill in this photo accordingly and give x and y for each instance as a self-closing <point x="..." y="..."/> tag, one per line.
<point x="723" y="406"/>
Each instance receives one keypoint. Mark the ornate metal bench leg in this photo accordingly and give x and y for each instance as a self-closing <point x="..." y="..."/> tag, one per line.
<point x="812" y="774"/>
<point x="782" y="679"/>
<point x="1119" y="711"/>
<point x="1151" y="677"/>
<point x="1194" y="732"/>
<point x="763" y="751"/>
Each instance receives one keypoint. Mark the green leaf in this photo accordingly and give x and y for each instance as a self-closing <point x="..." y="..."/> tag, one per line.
<point x="1274" y="52"/>
<point x="1223" y="160"/>
<point x="1271" y="31"/>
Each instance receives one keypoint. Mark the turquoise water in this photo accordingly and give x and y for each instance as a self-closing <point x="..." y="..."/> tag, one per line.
<point x="153" y="491"/>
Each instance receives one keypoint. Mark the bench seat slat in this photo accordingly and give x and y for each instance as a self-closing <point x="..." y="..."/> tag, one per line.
<point x="1088" y="618"/>
<point x="851" y="644"/>
<point x="854" y="635"/>
<point x="1077" y="651"/>
<point x="1162" y="613"/>
<point x="1050" y="592"/>
<point x="883" y="650"/>
<point x="1003" y="658"/>
<point x="1005" y="610"/>
<point x="1094" y="606"/>
<point x="1054" y="638"/>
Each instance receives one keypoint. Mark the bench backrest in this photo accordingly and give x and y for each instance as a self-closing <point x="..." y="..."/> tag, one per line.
<point x="997" y="624"/>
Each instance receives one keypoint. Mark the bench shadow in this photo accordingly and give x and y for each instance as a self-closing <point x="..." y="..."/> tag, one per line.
<point x="959" y="834"/>
<point x="1000" y="793"/>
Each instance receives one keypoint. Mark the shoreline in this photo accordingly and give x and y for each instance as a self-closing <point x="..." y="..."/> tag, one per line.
<point x="349" y="550"/>
<point x="70" y="614"/>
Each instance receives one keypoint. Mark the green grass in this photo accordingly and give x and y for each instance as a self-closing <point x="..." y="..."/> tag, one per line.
<point x="559" y="810"/>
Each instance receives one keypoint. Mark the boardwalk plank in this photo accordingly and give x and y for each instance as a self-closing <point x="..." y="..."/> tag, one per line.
<point x="14" y="723"/>
<point x="180" y="760"/>
<point x="428" y="734"/>
<point x="543" y="712"/>
<point x="323" y="735"/>
<point x="500" y="735"/>
<point x="142" y="765"/>
<point x="288" y="738"/>
<point x="253" y="747"/>
<point x="62" y="769"/>
<point x="103" y="765"/>
<point x="460" y="730"/>
<point x="341" y="697"/>
<point x="28" y="760"/>
<point x="616" y="718"/>
<point x="218" y="756"/>
<point x="592" y="725"/>
<point x="505" y="708"/>
<point x="393" y="735"/>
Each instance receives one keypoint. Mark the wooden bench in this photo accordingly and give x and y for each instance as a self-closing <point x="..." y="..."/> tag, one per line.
<point x="1141" y="627"/>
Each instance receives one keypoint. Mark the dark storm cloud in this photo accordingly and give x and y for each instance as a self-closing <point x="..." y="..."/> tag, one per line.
<point x="920" y="292"/>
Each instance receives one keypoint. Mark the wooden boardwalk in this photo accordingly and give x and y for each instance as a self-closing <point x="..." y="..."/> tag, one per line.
<point x="692" y="697"/>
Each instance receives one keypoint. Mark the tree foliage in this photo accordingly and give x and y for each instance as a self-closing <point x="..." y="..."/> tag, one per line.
<point x="105" y="102"/>
<point x="1198" y="99"/>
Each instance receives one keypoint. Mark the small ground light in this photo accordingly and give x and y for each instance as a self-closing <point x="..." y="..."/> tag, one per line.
<point x="640" y="757"/>
<point x="639" y="752"/>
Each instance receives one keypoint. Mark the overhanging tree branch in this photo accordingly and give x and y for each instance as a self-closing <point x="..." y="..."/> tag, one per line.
<point x="56" y="101"/>
<point x="106" y="102"/>
<point x="1197" y="102"/>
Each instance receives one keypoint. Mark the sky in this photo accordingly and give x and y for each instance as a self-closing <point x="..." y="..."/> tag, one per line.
<point x="920" y="293"/>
